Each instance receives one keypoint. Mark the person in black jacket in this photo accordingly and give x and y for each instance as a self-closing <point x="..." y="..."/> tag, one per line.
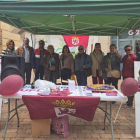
<point x="37" y="60"/>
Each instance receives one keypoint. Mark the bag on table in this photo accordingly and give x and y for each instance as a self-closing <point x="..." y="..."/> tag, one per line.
<point x="73" y="77"/>
<point x="60" y="125"/>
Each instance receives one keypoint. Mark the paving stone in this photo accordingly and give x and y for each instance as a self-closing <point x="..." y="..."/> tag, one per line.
<point x="29" y="139"/>
<point x="17" y="138"/>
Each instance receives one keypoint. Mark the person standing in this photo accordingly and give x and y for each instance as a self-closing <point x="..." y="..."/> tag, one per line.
<point x="66" y="64"/>
<point x="128" y="69"/>
<point x="10" y="50"/>
<point x="82" y="61"/>
<point x="26" y="51"/>
<point x="51" y="64"/>
<point x="37" y="60"/>
<point x="96" y="58"/>
<point x="110" y="63"/>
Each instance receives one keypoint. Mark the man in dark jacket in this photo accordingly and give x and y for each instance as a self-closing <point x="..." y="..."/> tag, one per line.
<point x="37" y="60"/>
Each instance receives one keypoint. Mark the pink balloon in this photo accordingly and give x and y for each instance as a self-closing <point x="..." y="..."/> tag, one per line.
<point x="11" y="85"/>
<point x="129" y="86"/>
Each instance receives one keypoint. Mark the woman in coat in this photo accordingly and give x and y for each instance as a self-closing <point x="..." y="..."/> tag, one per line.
<point x="82" y="61"/>
<point x="111" y="62"/>
<point x="10" y="50"/>
<point x="51" y="64"/>
<point x="128" y="69"/>
<point x="66" y="64"/>
<point x="96" y="58"/>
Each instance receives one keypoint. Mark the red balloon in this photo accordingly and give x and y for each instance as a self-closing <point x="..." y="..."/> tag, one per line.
<point x="129" y="86"/>
<point x="11" y="85"/>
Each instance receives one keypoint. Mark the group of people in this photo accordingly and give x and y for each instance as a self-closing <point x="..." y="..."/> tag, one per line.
<point x="47" y="64"/>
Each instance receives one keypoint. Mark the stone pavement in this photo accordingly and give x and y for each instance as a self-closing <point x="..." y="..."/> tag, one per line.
<point x="124" y="128"/>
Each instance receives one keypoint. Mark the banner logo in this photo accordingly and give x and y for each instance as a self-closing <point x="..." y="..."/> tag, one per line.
<point x="60" y="111"/>
<point x="75" y="40"/>
<point x="133" y="32"/>
<point x="63" y="103"/>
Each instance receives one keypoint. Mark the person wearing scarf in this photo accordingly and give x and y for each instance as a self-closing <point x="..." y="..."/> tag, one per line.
<point x="51" y="65"/>
<point x="66" y="64"/>
<point x="10" y="50"/>
<point x="128" y="70"/>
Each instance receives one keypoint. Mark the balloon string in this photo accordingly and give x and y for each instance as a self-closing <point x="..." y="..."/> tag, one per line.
<point x="118" y="110"/>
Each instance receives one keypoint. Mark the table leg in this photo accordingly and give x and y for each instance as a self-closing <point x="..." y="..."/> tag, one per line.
<point x="7" y="120"/>
<point x="112" y="135"/>
<point x="17" y="112"/>
<point x="105" y="115"/>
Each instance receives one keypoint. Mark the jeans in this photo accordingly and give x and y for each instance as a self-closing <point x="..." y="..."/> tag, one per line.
<point x="27" y="71"/>
<point x="52" y="77"/>
<point x="113" y="81"/>
<point x="81" y="78"/>
<point x="130" y="98"/>
<point x="98" y="79"/>
<point x="39" y="73"/>
<point x="65" y="75"/>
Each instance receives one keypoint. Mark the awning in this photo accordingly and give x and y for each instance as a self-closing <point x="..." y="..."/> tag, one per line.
<point x="94" y="17"/>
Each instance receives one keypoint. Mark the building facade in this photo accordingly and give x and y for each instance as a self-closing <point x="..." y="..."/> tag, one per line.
<point x="127" y="39"/>
<point x="5" y="35"/>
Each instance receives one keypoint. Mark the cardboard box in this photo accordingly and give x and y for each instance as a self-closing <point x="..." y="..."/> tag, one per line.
<point x="40" y="127"/>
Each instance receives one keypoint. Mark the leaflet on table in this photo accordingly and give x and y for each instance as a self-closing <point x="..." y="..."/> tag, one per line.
<point x="27" y="89"/>
<point x="74" y="92"/>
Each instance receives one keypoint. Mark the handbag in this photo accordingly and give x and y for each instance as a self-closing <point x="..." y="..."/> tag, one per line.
<point x="115" y="73"/>
<point x="60" y="125"/>
<point x="88" y="71"/>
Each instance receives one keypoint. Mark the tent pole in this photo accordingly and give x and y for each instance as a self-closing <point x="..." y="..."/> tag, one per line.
<point x="117" y="42"/>
<point x="117" y="39"/>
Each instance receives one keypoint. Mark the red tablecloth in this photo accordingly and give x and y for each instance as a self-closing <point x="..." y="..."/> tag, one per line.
<point x="45" y="107"/>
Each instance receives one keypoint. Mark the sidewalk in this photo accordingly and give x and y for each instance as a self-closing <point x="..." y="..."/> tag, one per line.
<point x="124" y="128"/>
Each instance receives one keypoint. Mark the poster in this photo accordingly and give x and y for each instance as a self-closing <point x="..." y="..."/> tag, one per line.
<point x="57" y="41"/>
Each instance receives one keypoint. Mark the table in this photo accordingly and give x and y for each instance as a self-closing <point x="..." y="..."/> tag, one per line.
<point x="79" y="91"/>
<point x="137" y="101"/>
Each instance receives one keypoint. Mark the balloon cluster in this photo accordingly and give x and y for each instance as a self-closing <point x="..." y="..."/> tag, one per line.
<point x="11" y="85"/>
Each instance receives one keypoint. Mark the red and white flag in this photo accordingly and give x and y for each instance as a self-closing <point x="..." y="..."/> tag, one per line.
<point x="76" y="40"/>
<point x="46" y="107"/>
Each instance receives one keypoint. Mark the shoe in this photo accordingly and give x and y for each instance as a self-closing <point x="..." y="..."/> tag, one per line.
<point x="113" y="102"/>
<point x="126" y="103"/>
<point x="5" y="101"/>
<point x="129" y="106"/>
